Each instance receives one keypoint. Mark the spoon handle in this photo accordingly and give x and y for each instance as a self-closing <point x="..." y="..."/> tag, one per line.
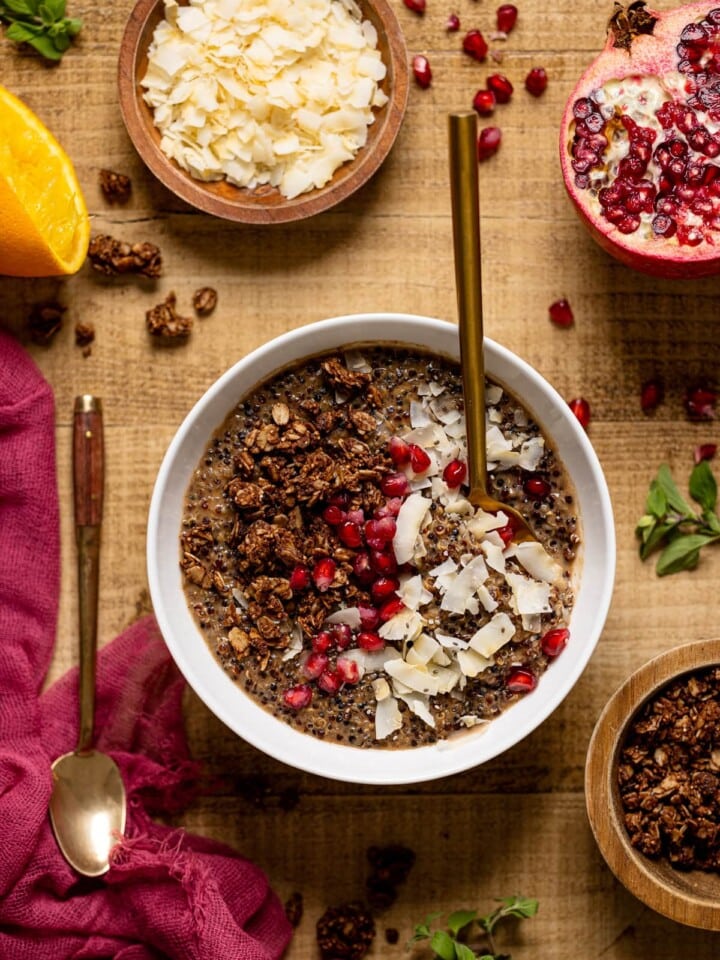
<point x="462" y="129"/>
<point x="88" y="476"/>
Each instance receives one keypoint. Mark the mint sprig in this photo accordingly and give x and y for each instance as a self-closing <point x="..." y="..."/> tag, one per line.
<point x="450" y="942"/>
<point x="40" y="23"/>
<point x="670" y="524"/>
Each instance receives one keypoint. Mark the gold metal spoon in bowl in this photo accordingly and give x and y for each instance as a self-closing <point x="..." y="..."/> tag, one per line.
<point x="88" y="802"/>
<point x="462" y="129"/>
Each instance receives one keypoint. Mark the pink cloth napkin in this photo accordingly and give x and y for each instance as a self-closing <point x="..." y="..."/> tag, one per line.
<point x="168" y="894"/>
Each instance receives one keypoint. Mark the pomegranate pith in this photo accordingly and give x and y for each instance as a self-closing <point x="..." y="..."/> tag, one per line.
<point x="639" y="136"/>
<point x="489" y="141"/>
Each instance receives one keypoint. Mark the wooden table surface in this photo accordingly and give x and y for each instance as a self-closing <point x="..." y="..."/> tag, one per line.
<point x="518" y="823"/>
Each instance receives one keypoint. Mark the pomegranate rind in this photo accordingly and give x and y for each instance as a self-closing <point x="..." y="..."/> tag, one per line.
<point x="649" y="55"/>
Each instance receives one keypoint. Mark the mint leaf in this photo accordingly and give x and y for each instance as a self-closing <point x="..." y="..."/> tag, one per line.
<point x="703" y="487"/>
<point x="459" y="920"/>
<point x="55" y="8"/>
<point x="463" y="952"/>
<point x="655" y="537"/>
<point x="20" y="7"/>
<point x="44" y="45"/>
<point x="443" y="945"/>
<point x="656" y="500"/>
<point x="22" y="32"/>
<point x="522" y="907"/>
<point x="682" y="553"/>
<point x="672" y="494"/>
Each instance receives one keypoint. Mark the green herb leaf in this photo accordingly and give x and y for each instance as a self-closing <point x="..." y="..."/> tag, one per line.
<point x="703" y="487"/>
<point x="443" y="945"/>
<point x="463" y="952"/>
<point x="22" y="32"/>
<point x="522" y="907"/>
<point x="44" y="45"/>
<point x="682" y="553"/>
<point x="19" y="7"/>
<point x="655" y="537"/>
<point x="41" y="24"/>
<point x="55" y="8"/>
<point x="656" y="501"/>
<point x="459" y="920"/>
<point x="672" y="494"/>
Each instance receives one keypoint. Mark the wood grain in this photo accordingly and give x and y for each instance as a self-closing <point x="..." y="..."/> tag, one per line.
<point x="518" y="823"/>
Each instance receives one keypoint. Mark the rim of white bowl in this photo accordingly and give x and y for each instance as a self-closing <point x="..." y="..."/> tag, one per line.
<point x="243" y="715"/>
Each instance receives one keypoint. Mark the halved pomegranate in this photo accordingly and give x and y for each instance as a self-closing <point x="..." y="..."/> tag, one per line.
<point x="640" y="141"/>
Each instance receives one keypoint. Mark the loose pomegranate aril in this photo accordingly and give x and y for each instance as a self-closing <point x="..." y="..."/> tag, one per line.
<point x="370" y="641"/>
<point x="421" y="71"/>
<point x="489" y="141"/>
<point x="399" y="451"/>
<point x="454" y="473"/>
<point x="321" y="642"/>
<point x="501" y="87"/>
<point x="384" y="587"/>
<point x="379" y="532"/>
<point x="315" y="664"/>
<point x="369" y="617"/>
<point x="299" y="579"/>
<point x="521" y="681"/>
<point x="350" y="533"/>
<point x="333" y="515"/>
<point x="342" y="635"/>
<point x="506" y="534"/>
<point x="348" y="669"/>
<point x="395" y="485"/>
<point x="362" y="568"/>
<point x="417" y="6"/>
<point x="554" y="641"/>
<point x="536" y="487"/>
<point x="705" y="451"/>
<point x="507" y="15"/>
<point x="383" y="562"/>
<point x="453" y="23"/>
<point x="419" y="459"/>
<point x="390" y="609"/>
<point x="330" y="681"/>
<point x="700" y="403"/>
<point x="324" y="573"/>
<point x="651" y="395"/>
<point x="298" y="697"/>
<point x="484" y="102"/>
<point x="536" y="81"/>
<point x="391" y="508"/>
<point x="561" y="313"/>
<point x="474" y="44"/>
<point x="340" y="500"/>
<point x="356" y="516"/>
<point x="581" y="409"/>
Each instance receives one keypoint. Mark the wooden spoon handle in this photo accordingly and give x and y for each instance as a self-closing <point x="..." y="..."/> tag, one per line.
<point x="88" y="481"/>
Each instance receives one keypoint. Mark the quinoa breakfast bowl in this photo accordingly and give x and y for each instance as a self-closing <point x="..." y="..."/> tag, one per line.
<point x="325" y="586"/>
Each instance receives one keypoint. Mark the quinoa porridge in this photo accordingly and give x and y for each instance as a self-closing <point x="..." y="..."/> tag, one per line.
<point x="337" y="571"/>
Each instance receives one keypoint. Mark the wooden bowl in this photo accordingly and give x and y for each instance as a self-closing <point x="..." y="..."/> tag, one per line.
<point x="266" y="204"/>
<point x="691" y="897"/>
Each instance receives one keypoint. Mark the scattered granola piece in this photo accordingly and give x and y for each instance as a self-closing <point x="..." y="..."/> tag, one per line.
<point x="392" y="936"/>
<point x="390" y="867"/>
<point x="204" y="301"/>
<point x="345" y="932"/>
<point x="294" y="909"/>
<point x="112" y="257"/>
<point x="164" y="321"/>
<point x="84" y="334"/>
<point x="116" y="187"/>
<point x="45" y="321"/>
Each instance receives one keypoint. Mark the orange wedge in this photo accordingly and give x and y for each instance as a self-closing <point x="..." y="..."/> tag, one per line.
<point x="45" y="226"/>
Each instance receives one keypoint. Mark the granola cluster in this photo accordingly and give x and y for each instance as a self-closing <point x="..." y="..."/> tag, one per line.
<point x="345" y="932"/>
<point x="112" y="257"/>
<point x="669" y="774"/>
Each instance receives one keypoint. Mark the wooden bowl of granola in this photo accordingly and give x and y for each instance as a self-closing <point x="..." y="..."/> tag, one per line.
<point x="213" y="144"/>
<point x="652" y="784"/>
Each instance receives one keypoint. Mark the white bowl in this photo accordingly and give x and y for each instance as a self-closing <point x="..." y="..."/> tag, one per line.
<point x="596" y="561"/>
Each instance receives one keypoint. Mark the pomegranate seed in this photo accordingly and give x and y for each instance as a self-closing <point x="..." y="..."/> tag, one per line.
<point x="399" y="451"/>
<point x="484" y="102"/>
<point x="356" y="516"/>
<point x="298" y="697"/>
<point x="391" y="508"/>
<point x="321" y="642"/>
<point x="474" y="44"/>
<point x="330" y="681"/>
<point x="453" y="23"/>
<point x="422" y="71"/>
<point x="488" y="142"/>
<point x="395" y="485"/>
<point x="417" y="6"/>
<point x="315" y="665"/>
<point x="350" y="533"/>
<point x="650" y="395"/>
<point x="521" y="681"/>
<point x="536" y="81"/>
<point x="555" y="641"/>
<point x="369" y="617"/>
<point x="390" y="608"/>
<point x="454" y="473"/>
<point x="501" y="87"/>
<point x="380" y="532"/>
<point x="383" y="562"/>
<point x="561" y="313"/>
<point x="340" y="500"/>
<point x="370" y="641"/>
<point x="705" y="451"/>
<point x="506" y="534"/>
<point x="362" y="569"/>
<point x="384" y="587"/>
<point x="348" y="669"/>
<point x="300" y="578"/>
<point x="342" y="635"/>
<point x="581" y="409"/>
<point x="333" y="515"/>
<point x="387" y="528"/>
<point x="419" y="459"/>
<point x="506" y="17"/>
<point x="537" y="488"/>
<point x="700" y="403"/>
<point x="324" y="573"/>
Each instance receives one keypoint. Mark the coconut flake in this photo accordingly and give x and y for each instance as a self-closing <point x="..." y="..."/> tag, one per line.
<point x="493" y="394"/>
<point x="414" y="677"/>
<point x="409" y="521"/>
<point x="388" y="718"/>
<point x="413" y="594"/>
<point x="472" y="663"/>
<point x="405" y="625"/>
<point x="493" y="635"/>
<point x="381" y="688"/>
<point x="529" y="596"/>
<point x="421" y="650"/>
<point x="348" y="615"/>
<point x="458" y="597"/>
<point x="420" y="706"/>
<point x="536" y="560"/>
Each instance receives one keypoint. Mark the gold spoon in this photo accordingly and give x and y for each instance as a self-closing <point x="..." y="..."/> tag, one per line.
<point x="462" y="129"/>
<point x="88" y="803"/>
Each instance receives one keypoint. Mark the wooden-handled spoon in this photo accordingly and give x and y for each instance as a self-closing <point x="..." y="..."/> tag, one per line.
<point x="88" y="803"/>
<point x="462" y="129"/>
